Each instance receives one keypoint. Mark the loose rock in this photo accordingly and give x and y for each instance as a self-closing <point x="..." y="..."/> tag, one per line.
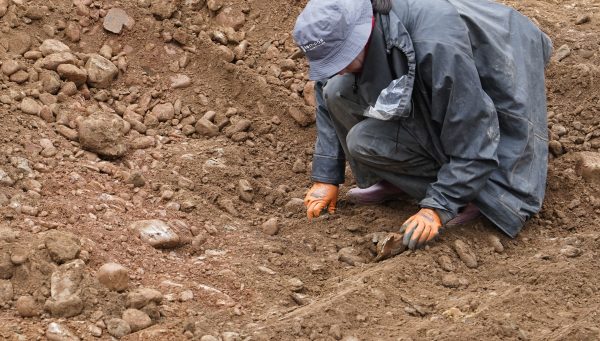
<point x="496" y="243"/>
<point x="117" y="327"/>
<point x="58" y="332"/>
<point x="141" y="297"/>
<point x="164" y="112"/>
<point x="156" y="233"/>
<point x="562" y="52"/>
<point x="27" y="307"/>
<point x="50" y="46"/>
<point x="72" y="73"/>
<point x="588" y="166"/>
<point x="465" y="254"/>
<point x="180" y="81"/>
<point x="136" y="319"/>
<point x="101" y="71"/>
<point x="230" y="17"/>
<point x="115" y="19"/>
<point x="113" y="276"/>
<point x="62" y="246"/>
<point x="102" y="133"/>
<point x="300" y="117"/>
<point x="30" y="106"/>
<point x="271" y="226"/>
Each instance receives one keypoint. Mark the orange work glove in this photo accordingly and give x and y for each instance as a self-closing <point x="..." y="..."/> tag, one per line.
<point x="421" y="228"/>
<point x="320" y="195"/>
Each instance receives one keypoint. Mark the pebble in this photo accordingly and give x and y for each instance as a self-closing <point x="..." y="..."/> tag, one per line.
<point x="141" y="297"/>
<point x="180" y="81"/>
<point x="266" y="270"/>
<point x="229" y="17"/>
<point x="309" y="94"/>
<point x="50" y="46"/>
<point x="245" y="190"/>
<point x="6" y="292"/>
<point x="465" y="254"/>
<point x="240" y="50"/>
<point x="19" y="77"/>
<point x="113" y="276"/>
<point x="230" y="336"/>
<point x="62" y="246"/>
<point x="116" y="19"/>
<point x="136" y="319"/>
<point x="186" y="295"/>
<point x="225" y="53"/>
<point x="556" y="148"/>
<point x="157" y="233"/>
<point x="349" y="255"/>
<point x="64" y="290"/>
<point x="101" y="71"/>
<point x="295" y="284"/>
<point x="300" y="117"/>
<point x="587" y="165"/>
<point x="271" y="226"/>
<point x="562" y="52"/>
<point x="72" y="73"/>
<point x="142" y="142"/>
<point x="208" y="338"/>
<point x="450" y="281"/>
<point x="94" y="330"/>
<point x="27" y="307"/>
<point x="582" y="19"/>
<point x="58" y="332"/>
<point x="52" y="61"/>
<point x="496" y="243"/>
<point x="571" y="251"/>
<point x="164" y="112"/>
<point x="300" y="299"/>
<point x="102" y="134"/>
<point x="117" y="327"/>
<point x="9" y="67"/>
<point x="30" y="106"/>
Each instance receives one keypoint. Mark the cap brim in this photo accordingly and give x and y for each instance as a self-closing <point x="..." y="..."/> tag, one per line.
<point x="348" y="51"/>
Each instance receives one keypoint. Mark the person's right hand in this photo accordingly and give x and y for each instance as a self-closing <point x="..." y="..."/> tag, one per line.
<point x="320" y="196"/>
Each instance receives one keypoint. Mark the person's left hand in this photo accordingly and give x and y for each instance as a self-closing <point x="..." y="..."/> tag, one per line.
<point x="421" y="228"/>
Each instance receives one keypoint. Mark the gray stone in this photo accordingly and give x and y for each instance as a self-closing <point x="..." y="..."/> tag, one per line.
<point x="117" y="327"/>
<point x="180" y="81"/>
<point x="5" y="179"/>
<point x="10" y="66"/>
<point x="113" y="276"/>
<point x="58" y="332"/>
<point x="141" y="297"/>
<point x="115" y="19"/>
<point x="562" y="52"/>
<point x="50" y="46"/>
<point x="27" y="307"/>
<point x="52" y="61"/>
<point x="465" y="254"/>
<point x="62" y="246"/>
<point x="102" y="133"/>
<point x="271" y="226"/>
<point x="136" y="319"/>
<point x="588" y="166"/>
<point x="64" y="298"/>
<point x="72" y="73"/>
<point x="206" y="128"/>
<point x="30" y="106"/>
<point x="156" y="233"/>
<point x="164" y="112"/>
<point x="50" y="82"/>
<point x="101" y="71"/>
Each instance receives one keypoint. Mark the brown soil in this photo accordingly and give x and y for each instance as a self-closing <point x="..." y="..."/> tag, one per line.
<point x="543" y="285"/>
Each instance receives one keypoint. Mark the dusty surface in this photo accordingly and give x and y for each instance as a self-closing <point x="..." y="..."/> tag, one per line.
<point x="217" y="146"/>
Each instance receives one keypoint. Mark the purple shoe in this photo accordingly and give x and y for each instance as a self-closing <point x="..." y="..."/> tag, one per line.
<point x="376" y="194"/>
<point x="468" y="214"/>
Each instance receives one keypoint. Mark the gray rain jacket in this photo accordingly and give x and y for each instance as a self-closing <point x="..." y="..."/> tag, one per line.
<point x="466" y="77"/>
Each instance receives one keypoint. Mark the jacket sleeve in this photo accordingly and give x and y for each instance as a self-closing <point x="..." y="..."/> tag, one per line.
<point x="467" y="123"/>
<point x="328" y="160"/>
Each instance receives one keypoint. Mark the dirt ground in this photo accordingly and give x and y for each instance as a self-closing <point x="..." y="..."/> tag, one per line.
<point x="218" y="144"/>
